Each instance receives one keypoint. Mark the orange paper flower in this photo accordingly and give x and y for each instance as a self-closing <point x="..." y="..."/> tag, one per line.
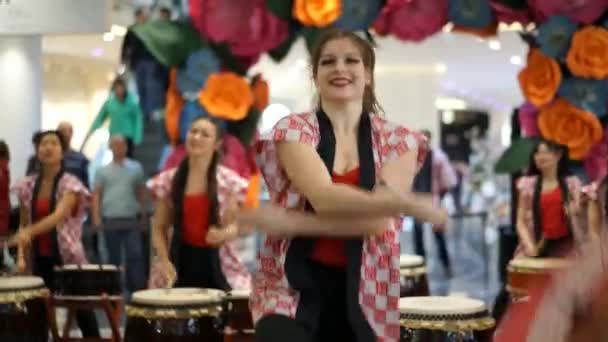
<point x="319" y="13"/>
<point x="173" y="108"/>
<point x="588" y="55"/>
<point x="564" y="123"/>
<point x="261" y="93"/>
<point x="226" y="96"/>
<point x="540" y="79"/>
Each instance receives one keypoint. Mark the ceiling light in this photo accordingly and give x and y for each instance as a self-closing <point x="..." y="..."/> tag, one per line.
<point x="118" y="30"/>
<point x="494" y="45"/>
<point x="515" y="60"/>
<point x="441" y="68"/>
<point x="447" y="117"/>
<point x="448" y="27"/>
<point x="450" y="103"/>
<point x="108" y="37"/>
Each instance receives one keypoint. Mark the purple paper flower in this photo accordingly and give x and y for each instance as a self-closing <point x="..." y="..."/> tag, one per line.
<point x="470" y="13"/>
<point x="581" y="11"/>
<point x="554" y="36"/>
<point x="412" y="20"/>
<point x="528" y="120"/>
<point x="595" y="163"/>
<point x="358" y="14"/>
<point x="199" y="66"/>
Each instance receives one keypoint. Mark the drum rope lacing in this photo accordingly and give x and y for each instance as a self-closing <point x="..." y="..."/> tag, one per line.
<point x="448" y="322"/>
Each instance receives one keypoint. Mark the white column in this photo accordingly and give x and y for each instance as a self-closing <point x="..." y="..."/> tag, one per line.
<point x="408" y="95"/>
<point x="20" y="96"/>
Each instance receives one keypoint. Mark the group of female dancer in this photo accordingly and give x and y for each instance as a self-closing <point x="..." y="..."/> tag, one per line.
<point x="339" y="179"/>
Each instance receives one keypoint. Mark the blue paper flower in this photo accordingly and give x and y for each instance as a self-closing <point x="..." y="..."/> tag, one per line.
<point x="588" y="95"/>
<point x="554" y="36"/>
<point x="470" y="13"/>
<point x="199" y="66"/>
<point x="190" y="111"/>
<point x="358" y="14"/>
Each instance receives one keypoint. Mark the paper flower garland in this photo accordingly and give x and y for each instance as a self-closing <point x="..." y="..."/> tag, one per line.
<point x="587" y="55"/>
<point x="199" y="66"/>
<point x="227" y="96"/>
<point x="317" y="13"/>
<point x="554" y="36"/>
<point x="413" y="20"/>
<point x="540" y="79"/>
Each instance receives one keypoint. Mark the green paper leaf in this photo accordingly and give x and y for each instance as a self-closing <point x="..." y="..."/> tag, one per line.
<point x="515" y="4"/>
<point x="280" y="52"/>
<point x="311" y="34"/>
<point x="516" y="157"/>
<point x="280" y="8"/>
<point x="245" y="129"/>
<point x="170" y="42"/>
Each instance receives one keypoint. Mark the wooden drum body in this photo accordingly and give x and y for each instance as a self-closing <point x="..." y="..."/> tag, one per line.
<point x="179" y="314"/>
<point x="445" y="319"/>
<point x="238" y="319"/>
<point x="23" y="310"/>
<point x="413" y="276"/>
<point x="528" y="273"/>
<point x="87" y="280"/>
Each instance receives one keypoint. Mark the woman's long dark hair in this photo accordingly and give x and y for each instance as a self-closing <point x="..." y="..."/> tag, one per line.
<point x="38" y="183"/>
<point x="563" y="171"/>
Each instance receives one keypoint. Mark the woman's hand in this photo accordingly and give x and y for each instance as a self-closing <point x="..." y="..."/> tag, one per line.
<point x="167" y="273"/>
<point x="530" y="251"/>
<point x="22" y="239"/>
<point x="218" y="236"/>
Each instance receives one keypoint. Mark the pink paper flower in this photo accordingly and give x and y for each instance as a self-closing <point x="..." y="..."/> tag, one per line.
<point x="248" y="27"/>
<point x="582" y="11"/>
<point x="412" y="20"/>
<point x="528" y="115"/>
<point x="596" y="163"/>
<point x="508" y="15"/>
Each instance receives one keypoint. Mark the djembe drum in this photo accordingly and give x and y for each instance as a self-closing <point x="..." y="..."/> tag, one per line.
<point x="445" y="319"/>
<point x="527" y="273"/>
<point x="87" y="280"/>
<point x="413" y="276"/>
<point x="178" y="314"/>
<point x="238" y="319"/>
<point x="23" y="309"/>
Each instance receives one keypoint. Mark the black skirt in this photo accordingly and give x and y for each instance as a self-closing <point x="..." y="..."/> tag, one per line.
<point x="200" y="267"/>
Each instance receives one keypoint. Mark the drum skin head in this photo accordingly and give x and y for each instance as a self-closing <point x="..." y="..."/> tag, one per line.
<point x="20" y="282"/>
<point x="88" y="267"/>
<point x="178" y="296"/>
<point x="436" y="305"/>
<point x="239" y="294"/>
<point x="540" y="263"/>
<point x="410" y="260"/>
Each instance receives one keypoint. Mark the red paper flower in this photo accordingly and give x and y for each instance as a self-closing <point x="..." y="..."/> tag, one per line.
<point x="412" y="20"/>
<point x="508" y="15"/>
<point x="582" y="11"/>
<point x="248" y="27"/>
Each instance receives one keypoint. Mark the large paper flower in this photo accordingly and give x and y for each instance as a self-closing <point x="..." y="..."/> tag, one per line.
<point x="509" y="15"/>
<point x="412" y="20"/>
<point x="587" y="55"/>
<point x="319" y="13"/>
<point x="540" y="79"/>
<point x="554" y="36"/>
<point x="247" y="26"/>
<point x="227" y="96"/>
<point x="595" y="163"/>
<point x="261" y="93"/>
<point x="588" y="95"/>
<point x="199" y="66"/>
<point x="581" y="11"/>
<point x="528" y="120"/>
<point x="358" y="14"/>
<point x="564" y="123"/>
<point x="470" y="13"/>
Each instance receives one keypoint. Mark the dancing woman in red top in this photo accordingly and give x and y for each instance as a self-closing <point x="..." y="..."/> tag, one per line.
<point x="193" y="199"/>
<point x="543" y="227"/>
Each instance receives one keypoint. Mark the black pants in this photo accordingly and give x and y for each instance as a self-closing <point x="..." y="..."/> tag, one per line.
<point x="507" y="243"/>
<point x="130" y="148"/>
<point x="442" y="247"/>
<point x="85" y="319"/>
<point x="200" y="267"/>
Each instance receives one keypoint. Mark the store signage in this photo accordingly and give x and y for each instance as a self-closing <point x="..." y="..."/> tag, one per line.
<point x="23" y="17"/>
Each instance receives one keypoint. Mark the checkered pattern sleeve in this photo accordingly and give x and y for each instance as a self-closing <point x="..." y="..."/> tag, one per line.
<point x="399" y="140"/>
<point x="590" y="191"/>
<point x="160" y="185"/>
<point x="294" y="128"/>
<point x="23" y="189"/>
<point x="71" y="184"/>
